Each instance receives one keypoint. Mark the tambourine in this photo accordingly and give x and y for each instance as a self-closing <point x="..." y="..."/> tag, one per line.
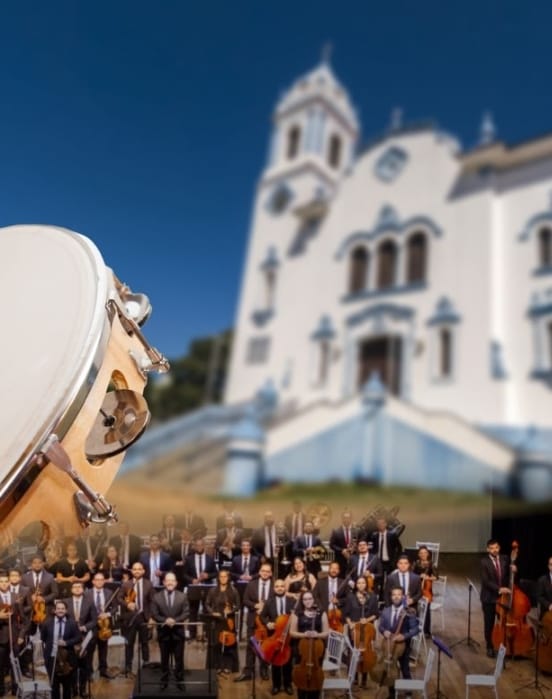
<point x="73" y="367"/>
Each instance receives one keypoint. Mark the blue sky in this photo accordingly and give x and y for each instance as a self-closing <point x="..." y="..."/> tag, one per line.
<point x="145" y="125"/>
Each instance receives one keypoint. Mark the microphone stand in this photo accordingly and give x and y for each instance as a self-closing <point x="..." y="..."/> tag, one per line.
<point x="468" y="640"/>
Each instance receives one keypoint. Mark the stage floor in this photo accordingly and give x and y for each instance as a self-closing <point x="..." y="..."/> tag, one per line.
<point x="467" y="659"/>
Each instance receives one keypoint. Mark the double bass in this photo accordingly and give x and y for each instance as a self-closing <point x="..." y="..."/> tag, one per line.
<point x="511" y="627"/>
<point x="544" y="656"/>
<point x="276" y="649"/>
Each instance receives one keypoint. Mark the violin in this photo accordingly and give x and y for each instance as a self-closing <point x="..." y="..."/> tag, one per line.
<point x="335" y="615"/>
<point x="511" y="627"/>
<point x="227" y="636"/>
<point x="39" y="610"/>
<point x="104" y="623"/>
<point x="308" y="675"/>
<point x="261" y="632"/>
<point x="544" y="657"/>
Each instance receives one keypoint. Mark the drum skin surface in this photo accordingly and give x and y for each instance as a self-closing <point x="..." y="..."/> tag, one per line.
<point x="53" y="290"/>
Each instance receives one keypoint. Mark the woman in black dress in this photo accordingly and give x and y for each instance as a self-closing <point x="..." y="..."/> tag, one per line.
<point x="69" y="569"/>
<point x="299" y="579"/>
<point x="223" y="602"/>
<point x="308" y="622"/>
<point x="360" y="611"/>
<point x="424" y="567"/>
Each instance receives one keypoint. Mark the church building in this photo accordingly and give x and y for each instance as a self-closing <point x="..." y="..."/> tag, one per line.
<point x="410" y="277"/>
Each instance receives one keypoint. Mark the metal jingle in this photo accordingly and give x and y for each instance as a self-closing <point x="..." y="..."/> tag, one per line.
<point x="122" y="419"/>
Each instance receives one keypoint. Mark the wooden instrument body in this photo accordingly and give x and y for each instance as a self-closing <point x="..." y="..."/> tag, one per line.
<point x="544" y="658"/>
<point x="364" y="634"/>
<point x="308" y="675"/>
<point x="276" y="648"/>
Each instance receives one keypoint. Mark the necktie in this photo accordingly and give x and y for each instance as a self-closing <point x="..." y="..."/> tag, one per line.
<point x="280" y="610"/>
<point x="295" y="527"/>
<point x="200" y="567"/>
<point x="309" y="541"/>
<point x="77" y="609"/>
<point x="263" y="591"/>
<point x="394" y="620"/>
<point x="60" y="629"/>
<point x="270" y="549"/>
<point x="138" y="596"/>
<point x="169" y="599"/>
<point x="13" y="589"/>
<point x="403" y="583"/>
<point x="347" y="539"/>
<point x="246" y="565"/>
<point x="37" y="580"/>
<point x="98" y="602"/>
<point x="497" y="570"/>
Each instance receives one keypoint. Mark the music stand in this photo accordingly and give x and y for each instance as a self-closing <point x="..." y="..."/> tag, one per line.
<point x="446" y="650"/>
<point x="535" y="684"/>
<point x="468" y="640"/>
<point x="256" y="646"/>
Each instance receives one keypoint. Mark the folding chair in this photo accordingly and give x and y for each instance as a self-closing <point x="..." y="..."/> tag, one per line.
<point x="345" y="684"/>
<point x="488" y="680"/>
<point x="414" y="685"/>
<point x="29" y="688"/>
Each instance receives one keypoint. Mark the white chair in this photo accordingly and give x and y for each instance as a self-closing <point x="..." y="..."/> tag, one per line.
<point x="434" y="547"/>
<point x="333" y="656"/>
<point x="439" y="597"/>
<point x="419" y="641"/>
<point x="418" y="685"/>
<point x="29" y="689"/>
<point x="487" y="680"/>
<point x="345" y="684"/>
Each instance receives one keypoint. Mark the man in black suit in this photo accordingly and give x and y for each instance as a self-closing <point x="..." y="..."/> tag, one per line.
<point x="228" y="512"/>
<point x="399" y="625"/>
<point x="277" y="605"/>
<point x="308" y="546"/>
<point x="409" y="582"/>
<point x="343" y="540"/>
<point x="228" y="542"/>
<point x="156" y="562"/>
<point x="14" y="621"/>
<point x="135" y="598"/>
<point x="270" y="542"/>
<point x="193" y="523"/>
<point x="363" y="562"/>
<point x="128" y="545"/>
<point x="386" y="545"/>
<point x="180" y="550"/>
<point x="494" y="580"/>
<point x="170" y="610"/>
<point x="60" y="634"/>
<point x="544" y="591"/>
<point x="255" y="597"/>
<point x="199" y="569"/>
<point x="82" y="610"/>
<point x="245" y="565"/>
<point x="295" y="522"/>
<point x="330" y="592"/>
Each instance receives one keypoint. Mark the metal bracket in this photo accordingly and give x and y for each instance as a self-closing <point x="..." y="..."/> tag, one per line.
<point x="90" y="506"/>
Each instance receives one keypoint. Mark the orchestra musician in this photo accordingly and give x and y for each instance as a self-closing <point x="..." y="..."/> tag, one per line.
<point x="135" y="598"/>
<point x="494" y="571"/>
<point x="309" y="622"/>
<point x="103" y="599"/>
<point x="404" y="578"/>
<point x="309" y="547"/>
<point x="424" y="567"/>
<point x="264" y="540"/>
<point x="169" y="533"/>
<point x="343" y="540"/>
<point x="223" y="601"/>
<point x="128" y="545"/>
<point x="199" y="569"/>
<point x="228" y="512"/>
<point x="296" y="521"/>
<point x="277" y="605"/>
<point x="91" y="545"/>
<point x="299" y="579"/>
<point x="112" y="568"/>
<point x="386" y="545"/>
<point x="544" y="591"/>
<point x="82" y="610"/>
<point x="59" y="636"/>
<point x="227" y="542"/>
<point x="181" y="549"/>
<point x="14" y="626"/>
<point x="398" y="624"/>
<point x="21" y="592"/>
<point x="170" y="610"/>
<point x="193" y="524"/>
<point x="367" y="564"/>
<point x="245" y="565"/>
<point x="330" y="592"/>
<point x="156" y="562"/>
<point x="69" y="569"/>
<point x="361" y="607"/>
<point x="255" y="596"/>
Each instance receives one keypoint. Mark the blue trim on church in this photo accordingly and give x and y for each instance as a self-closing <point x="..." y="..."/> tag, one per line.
<point x="375" y="293"/>
<point x="390" y="309"/>
<point x="543" y="217"/>
<point x="444" y="314"/>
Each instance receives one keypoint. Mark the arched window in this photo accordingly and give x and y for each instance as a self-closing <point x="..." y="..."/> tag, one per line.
<point x="358" y="271"/>
<point x="294" y="136"/>
<point x="270" y="280"/>
<point x="416" y="260"/>
<point x="334" y="151"/>
<point x="545" y="247"/>
<point x="324" y="366"/>
<point x="445" y="352"/>
<point x="387" y="264"/>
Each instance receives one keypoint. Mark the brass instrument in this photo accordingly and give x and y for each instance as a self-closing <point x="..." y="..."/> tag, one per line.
<point x="315" y="553"/>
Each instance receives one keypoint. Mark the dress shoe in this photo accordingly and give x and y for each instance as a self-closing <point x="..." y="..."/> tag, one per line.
<point x="163" y="685"/>
<point x="274" y="691"/>
<point x="491" y="653"/>
<point x="264" y="673"/>
<point x="244" y="677"/>
<point x="289" y="690"/>
<point x="105" y="674"/>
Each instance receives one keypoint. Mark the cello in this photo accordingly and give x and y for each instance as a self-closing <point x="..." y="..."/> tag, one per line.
<point x="364" y="634"/>
<point x="544" y="656"/>
<point x="308" y="675"/>
<point x="511" y="627"/>
<point x="386" y="670"/>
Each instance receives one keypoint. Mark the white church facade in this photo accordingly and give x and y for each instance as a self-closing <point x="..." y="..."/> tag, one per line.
<point x="411" y="260"/>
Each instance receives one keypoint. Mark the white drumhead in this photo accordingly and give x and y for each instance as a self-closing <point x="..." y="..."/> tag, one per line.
<point x="53" y="290"/>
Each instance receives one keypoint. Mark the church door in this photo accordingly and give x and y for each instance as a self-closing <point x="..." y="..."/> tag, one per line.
<point x="381" y="354"/>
